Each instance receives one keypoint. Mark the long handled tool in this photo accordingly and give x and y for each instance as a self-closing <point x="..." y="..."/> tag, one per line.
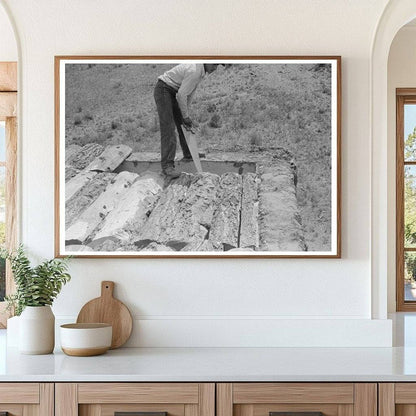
<point x="189" y="134"/>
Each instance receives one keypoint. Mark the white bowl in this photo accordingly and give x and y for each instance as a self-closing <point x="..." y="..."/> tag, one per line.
<point x="83" y="340"/>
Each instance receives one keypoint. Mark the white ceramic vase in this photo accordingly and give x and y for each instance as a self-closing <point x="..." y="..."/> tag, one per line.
<point x="13" y="331"/>
<point x="37" y="330"/>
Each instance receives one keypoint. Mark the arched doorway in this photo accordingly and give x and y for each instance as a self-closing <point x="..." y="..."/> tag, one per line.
<point x="396" y="14"/>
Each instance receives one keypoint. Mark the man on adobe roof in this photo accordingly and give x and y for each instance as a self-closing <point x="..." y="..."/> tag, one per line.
<point x="173" y="94"/>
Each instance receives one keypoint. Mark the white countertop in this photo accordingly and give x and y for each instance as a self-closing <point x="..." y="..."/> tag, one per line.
<point x="213" y="364"/>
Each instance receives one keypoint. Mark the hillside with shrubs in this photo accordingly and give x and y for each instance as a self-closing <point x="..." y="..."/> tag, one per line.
<point x="243" y="108"/>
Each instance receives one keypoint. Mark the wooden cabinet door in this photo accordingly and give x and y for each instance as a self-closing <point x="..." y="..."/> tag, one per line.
<point x="27" y="399"/>
<point x="397" y="399"/>
<point x="153" y="399"/>
<point x="297" y="399"/>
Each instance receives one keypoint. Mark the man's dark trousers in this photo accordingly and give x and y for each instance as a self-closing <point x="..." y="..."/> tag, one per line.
<point x="169" y="117"/>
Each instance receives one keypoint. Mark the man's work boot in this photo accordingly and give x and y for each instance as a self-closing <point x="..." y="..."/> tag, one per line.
<point x="170" y="172"/>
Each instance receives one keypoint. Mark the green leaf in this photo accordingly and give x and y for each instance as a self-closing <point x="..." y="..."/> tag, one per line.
<point x="35" y="286"/>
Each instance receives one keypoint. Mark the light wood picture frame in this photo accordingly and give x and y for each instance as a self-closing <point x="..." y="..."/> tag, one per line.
<point x="266" y="131"/>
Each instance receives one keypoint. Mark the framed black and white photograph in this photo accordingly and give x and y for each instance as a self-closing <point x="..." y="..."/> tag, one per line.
<point x="198" y="156"/>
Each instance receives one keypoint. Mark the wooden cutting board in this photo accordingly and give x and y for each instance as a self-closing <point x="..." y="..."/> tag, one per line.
<point x="107" y="309"/>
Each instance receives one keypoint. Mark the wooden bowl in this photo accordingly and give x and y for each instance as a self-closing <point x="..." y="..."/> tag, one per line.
<point x="84" y="340"/>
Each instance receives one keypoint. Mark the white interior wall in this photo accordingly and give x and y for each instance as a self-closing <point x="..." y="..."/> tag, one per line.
<point x="182" y="300"/>
<point x="8" y="47"/>
<point x="401" y="74"/>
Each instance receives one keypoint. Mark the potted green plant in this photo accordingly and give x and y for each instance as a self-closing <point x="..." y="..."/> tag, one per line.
<point x="36" y="289"/>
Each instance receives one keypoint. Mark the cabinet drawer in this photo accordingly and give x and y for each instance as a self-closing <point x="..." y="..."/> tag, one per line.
<point x="19" y="393"/>
<point x="138" y="393"/>
<point x="21" y="399"/>
<point x="107" y="399"/>
<point x="297" y="399"/>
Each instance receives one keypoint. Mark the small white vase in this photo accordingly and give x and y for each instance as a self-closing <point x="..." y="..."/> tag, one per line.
<point x="37" y="330"/>
<point x="13" y="331"/>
